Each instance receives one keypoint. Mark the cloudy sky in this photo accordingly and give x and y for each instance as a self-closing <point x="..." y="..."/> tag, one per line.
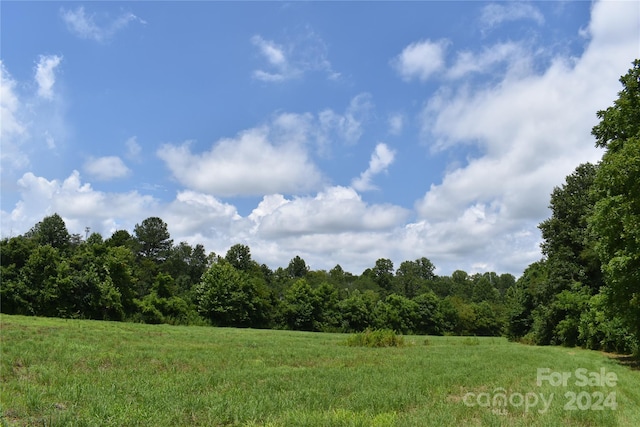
<point x="340" y="132"/>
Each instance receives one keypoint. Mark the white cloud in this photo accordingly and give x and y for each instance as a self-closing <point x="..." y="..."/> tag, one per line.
<point x="531" y="130"/>
<point x="332" y="211"/>
<point x="495" y="14"/>
<point x="510" y="53"/>
<point x="12" y="130"/>
<point x="421" y="59"/>
<point x="347" y="127"/>
<point x="305" y="53"/>
<point x="276" y="58"/>
<point x="106" y="168"/>
<point x="381" y="158"/>
<point x="77" y="203"/>
<point x="85" y="27"/>
<point x="250" y="164"/>
<point x="45" y="74"/>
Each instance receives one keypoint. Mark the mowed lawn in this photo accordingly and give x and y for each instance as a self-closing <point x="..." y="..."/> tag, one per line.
<point x="76" y="372"/>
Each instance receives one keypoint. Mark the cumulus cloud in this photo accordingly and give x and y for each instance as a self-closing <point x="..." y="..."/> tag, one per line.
<point x="78" y="203"/>
<point x="45" y="74"/>
<point x="421" y="60"/>
<point x="106" y="168"/>
<point x="84" y="25"/>
<point x="531" y="130"/>
<point x="334" y="210"/>
<point x="381" y="158"/>
<point x="495" y="14"/>
<point x="250" y="164"/>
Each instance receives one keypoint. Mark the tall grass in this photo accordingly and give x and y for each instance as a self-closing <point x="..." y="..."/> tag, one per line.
<point x="91" y="373"/>
<point x="376" y="338"/>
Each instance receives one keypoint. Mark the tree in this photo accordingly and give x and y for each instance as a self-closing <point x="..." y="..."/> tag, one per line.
<point x="412" y="276"/>
<point x="429" y="318"/>
<point x="300" y="306"/>
<point x="229" y="297"/>
<point x="239" y="256"/>
<point x="121" y="238"/>
<point x="356" y="310"/>
<point x="153" y="238"/>
<point x="51" y="231"/>
<point x="327" y="316"/>
<point x="615" y="221"/>
<point x="621" y="122"/>
<point x="398" y="313"/>
<point x="297" y="267"/>
<point x="383" y="274"/>
<point x="567" y="243"/>
<point x="483" y="290"/>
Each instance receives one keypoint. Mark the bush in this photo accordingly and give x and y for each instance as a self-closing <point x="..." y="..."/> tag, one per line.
<point x="376" y="338"/>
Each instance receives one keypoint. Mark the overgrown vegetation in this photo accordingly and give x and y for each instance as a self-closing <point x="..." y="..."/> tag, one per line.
<point x="376" y="338"/>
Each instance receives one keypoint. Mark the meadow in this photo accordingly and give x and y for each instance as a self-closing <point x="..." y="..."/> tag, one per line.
<point x="97" y="373"/>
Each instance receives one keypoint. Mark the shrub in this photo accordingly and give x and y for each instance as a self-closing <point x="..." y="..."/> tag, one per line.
<point x="376" y="338"/>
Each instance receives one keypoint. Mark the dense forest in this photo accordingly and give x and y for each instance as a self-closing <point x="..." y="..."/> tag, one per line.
<point x="584" y="291"/>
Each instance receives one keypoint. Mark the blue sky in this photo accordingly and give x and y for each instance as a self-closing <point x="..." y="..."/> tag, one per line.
<point x="342" y="132"/>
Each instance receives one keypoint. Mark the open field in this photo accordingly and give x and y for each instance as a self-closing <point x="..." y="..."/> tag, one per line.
<point x="74" y="372"/>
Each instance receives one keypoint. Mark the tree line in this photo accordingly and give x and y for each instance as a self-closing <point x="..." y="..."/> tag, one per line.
<point x="145" y="277"/>
<point x="586" y="289"/>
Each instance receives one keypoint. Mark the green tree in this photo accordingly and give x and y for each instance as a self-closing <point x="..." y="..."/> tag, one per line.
<point x="51" y="231"/>
<point x="429" y="319"/>
<point x="383" y="274"/>
<point x="121" y="238"/>
<point x="228" y="297"/>
<point x="153" y="239"/>
<point x="412" y="277"/>
<point x="398" y="313"/>
<point x="297" y="268"/>
<point x="327" y="315"/>
<point x="483" y="290"/>
<point x="357" y="310"/>
<point x="185" y="264"/>
<point x="300" y="307"/>
<point x="567" y="243"/>
<point x="239" y="256"/>
<point x="40" y="280"/>
<point x="615" y="221"/>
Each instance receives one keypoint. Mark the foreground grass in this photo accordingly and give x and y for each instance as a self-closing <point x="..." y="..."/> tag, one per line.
<point x="72" y="372"/>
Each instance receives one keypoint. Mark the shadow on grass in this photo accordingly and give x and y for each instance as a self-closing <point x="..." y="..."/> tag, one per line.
<point x="632" y="362"/>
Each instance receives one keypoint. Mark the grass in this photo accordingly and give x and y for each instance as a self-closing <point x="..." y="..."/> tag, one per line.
<point x="375" y="338"/>
<point x="75" y="372"/>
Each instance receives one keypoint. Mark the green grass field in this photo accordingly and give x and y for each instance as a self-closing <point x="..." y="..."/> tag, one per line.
<point x="75" y="372"/>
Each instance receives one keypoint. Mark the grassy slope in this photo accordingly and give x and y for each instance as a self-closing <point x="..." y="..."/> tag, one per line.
<point x="72" y="372"/>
